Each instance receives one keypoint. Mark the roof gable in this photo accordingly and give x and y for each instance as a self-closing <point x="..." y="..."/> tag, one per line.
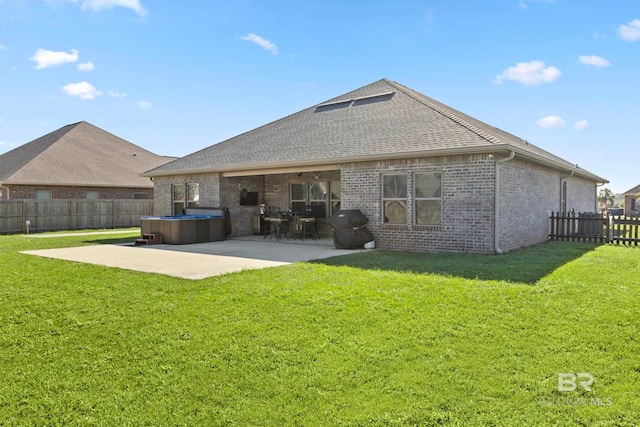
<point x="79" y="154"/>
<point x="377" y="120"/>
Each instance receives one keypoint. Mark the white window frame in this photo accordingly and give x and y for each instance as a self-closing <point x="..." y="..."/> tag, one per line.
<point x="404" y="199"/>
<point x="417" y="199"/>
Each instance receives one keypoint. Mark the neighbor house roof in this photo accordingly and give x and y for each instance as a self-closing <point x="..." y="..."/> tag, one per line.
<point x="380" y="121"/>
<point x="632" y="192"/>
<point x="79" y="154"/>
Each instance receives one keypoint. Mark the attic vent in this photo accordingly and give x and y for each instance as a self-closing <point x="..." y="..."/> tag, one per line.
<point x="361" y="100"/>
<point x="377" y="95"/>
<point x="344" y="103"/>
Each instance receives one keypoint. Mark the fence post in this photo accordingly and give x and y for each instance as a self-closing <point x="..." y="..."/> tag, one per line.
<point x="24" y="215"/>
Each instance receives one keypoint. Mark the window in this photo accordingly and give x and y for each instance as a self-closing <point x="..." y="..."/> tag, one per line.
<point x="193" y="195"/>
<point x="298" y="196"/>
<point x="43" y="195"/>
<point x="318" y="198"/>
<point x="141" y="196"/>
<point x="317" y="195"/>
<point x="428" y="198"/>
<point x="185" y="196"/>
<point x="633" y="204"/>
<point x="394" y="199"/>
<point x="92" y="195"/>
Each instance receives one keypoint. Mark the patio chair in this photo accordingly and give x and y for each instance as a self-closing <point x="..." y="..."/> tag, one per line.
<point x="308" y="223"/>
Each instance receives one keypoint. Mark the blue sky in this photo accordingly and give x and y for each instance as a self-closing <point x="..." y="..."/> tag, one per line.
<point x="175" y="77"/>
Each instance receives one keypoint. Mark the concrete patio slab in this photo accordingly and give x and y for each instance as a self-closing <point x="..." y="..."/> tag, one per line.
<point x="200" y="260"/>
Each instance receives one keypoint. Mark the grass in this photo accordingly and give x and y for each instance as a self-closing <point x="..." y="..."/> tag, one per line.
<point x="375" y="339"/>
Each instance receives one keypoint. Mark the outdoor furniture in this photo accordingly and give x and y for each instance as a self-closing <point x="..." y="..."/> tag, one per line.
<point x="277" y="223"/>
<point x="307" y="223"/>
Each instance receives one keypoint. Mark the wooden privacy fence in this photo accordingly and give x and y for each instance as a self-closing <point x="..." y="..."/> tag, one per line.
<point x="594" y="227"/>
<point x="50" y="215"/>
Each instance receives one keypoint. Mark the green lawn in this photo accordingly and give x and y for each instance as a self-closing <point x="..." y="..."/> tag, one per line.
<point x="371" y="339"/>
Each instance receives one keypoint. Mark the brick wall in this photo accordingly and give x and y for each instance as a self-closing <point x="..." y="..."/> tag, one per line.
<point x="241" y="215"/>
<point x="57" y="192"/>
<point x="209" y="190"/>
<point x="467" y="203"/>
<point x="225" y="192"/>
<point x="528" y="193"/>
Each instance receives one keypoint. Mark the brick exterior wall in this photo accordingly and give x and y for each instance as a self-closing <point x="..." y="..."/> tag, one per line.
<point x="467" y="203"/>
<point x="209" y="190"/>
<point x="528" y="194"/>
<point x="57" y="192"/>
<point x="225" y="192"/>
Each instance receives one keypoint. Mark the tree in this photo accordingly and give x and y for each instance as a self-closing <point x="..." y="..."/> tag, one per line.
<point x="606" y="198"/>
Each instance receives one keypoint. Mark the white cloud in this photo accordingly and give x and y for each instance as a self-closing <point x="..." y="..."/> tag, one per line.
<point x="1" y="46"/>
<point x="551" y="122"/>
<point x="581" y="125"/>
<point x="630" y="32"/>
<point x="529" y="73"/>
<point x="114" y="94"/>
<point x="48" y="58"/>
<point x="264" y="43"/>
<point x="82" y="90"/>
<point x="86" y="66"/>
<point x="97" y="5"/>
<point x="596" y="61"/>
<point x="144" y="105"/>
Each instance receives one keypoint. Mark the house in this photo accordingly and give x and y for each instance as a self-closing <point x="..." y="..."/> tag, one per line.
<point x="630" y="200"/>
<point x="77" y="161"/>
<point x="428" y="177"/>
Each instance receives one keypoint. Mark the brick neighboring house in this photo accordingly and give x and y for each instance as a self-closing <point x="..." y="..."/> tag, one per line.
<point x="428" y="177"/>
<point x="630" y="200"/>
<point x="78" y="161"/>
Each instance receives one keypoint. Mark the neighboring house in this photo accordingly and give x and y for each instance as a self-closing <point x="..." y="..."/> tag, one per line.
<point x="428" y="177"/>
<point x="630" y="200"/>
<point x="77" y="161"/>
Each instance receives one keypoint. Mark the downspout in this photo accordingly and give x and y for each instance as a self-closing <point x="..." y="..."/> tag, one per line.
<point x="496" y="209"/>
<point x="5" y="188"/>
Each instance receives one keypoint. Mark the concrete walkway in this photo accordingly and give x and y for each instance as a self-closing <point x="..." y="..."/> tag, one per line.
<point x="200" y="260"/>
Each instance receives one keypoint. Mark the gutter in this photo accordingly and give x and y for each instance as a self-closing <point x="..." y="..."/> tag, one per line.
<point x="496" y="209"/>
<point x="8" y="191"/>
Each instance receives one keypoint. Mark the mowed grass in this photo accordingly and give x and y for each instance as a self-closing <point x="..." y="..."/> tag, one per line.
<point x="371" y="339"/>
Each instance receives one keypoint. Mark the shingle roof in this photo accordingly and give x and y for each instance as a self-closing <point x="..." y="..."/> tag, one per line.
<point x="632" y="192"/>
<point x="383" y="119"/>
<point x="79" y="154"/>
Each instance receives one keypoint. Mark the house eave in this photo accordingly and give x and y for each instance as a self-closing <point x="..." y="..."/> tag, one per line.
<point x="310" y="165"/>
<point x="335" y="162"/>
<point x="75" y="184"/>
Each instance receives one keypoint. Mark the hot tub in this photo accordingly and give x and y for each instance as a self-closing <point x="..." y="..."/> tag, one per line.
<point x="185" y="229"/>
